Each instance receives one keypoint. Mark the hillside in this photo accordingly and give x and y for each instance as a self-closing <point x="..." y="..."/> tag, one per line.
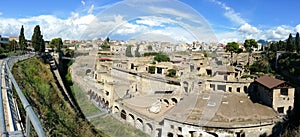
<point x="56" y="115"/>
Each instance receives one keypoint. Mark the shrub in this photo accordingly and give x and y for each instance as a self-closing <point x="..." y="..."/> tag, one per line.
<point x="171" y="73"/>
<point x="161" y="57"/>
<point x="151" y="69"/>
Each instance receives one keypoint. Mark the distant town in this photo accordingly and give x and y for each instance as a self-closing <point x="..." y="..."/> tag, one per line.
<point x="188" y="89"/>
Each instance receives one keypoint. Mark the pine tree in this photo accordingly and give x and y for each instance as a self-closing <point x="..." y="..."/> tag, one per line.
<point x="297" y="42"/>
<point x="22" y="40"/>
<point x="37" y="40"/>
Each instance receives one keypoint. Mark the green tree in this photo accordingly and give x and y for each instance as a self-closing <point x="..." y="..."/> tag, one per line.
<point x="290" y="44"/>
<point x="12" y="45"/>
<point x="105" y="44"/>
<point x="281" y="45"/>
<point x="249" y="44"/>
<point x="161" y="57"/>
<point x="151" y="69"/>
<point x="273" y="46"/>
<point x="149" y="47"/>
<point x="262" y="65"/>
<point x="171" y="72"/>
<point x="37" y="40"/>
<point x="136" y="52"/>
<point x="232" y="47"/>
<point x="128" y="51"/>
<point x="297" y="42"/>
<point x="56" y="43"/>
<point x="22" y="40"/>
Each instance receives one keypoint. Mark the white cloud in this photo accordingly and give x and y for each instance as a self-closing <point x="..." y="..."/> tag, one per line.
<point x="248" y="29"/>
<point x="90" y="11"/>
<point x="226" y="37"/>
<point x="155" y="21"/>
<point x="297" y="28"/>
<point x="230" y="13"/>
<point x="83" y="2"/>
<point x="129" y="28"/>
<point x="277" y="33"/>
<point x="170" y="11"/>
<point x="51" y="26"/>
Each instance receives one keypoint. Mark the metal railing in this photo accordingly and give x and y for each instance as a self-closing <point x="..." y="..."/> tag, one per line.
<point x="31" y="117"/>
<point x="2" y="119"/>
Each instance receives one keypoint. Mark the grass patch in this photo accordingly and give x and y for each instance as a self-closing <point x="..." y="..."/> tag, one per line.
<point x="57" y="116"/>
<point x="106" y="124"/>
<point x="86" y="106"/>
<point x="115" y="128"/>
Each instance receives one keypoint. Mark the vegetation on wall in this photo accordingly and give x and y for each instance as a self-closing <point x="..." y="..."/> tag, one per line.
<point x="40" y="88"/>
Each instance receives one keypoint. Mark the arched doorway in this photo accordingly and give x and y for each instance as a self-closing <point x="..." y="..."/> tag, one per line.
<point x="139" y="124"/>
<point x="148" y="128"/>
<point x="174" y="101"/>
<point x="245" y="89"/>
<point x="170" y="134"/>
<point x="106" y="104"/>
<point x="116" y="109"/>
<point x="130" y="119"/>
<point x="123" y="114"/>
<point x="166" y="101"/>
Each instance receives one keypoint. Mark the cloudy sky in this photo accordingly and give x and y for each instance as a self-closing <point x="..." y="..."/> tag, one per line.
<point x="165" y="20"/>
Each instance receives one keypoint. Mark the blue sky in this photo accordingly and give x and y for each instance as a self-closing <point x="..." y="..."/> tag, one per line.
<point x="184" y="20"/>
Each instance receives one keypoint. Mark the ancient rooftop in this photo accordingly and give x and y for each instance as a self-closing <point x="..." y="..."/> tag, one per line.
<point x="269" y="82"/>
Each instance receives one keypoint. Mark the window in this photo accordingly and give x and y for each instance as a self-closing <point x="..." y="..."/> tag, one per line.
<point x="284" y="91"/>
<point x="180" y="129"/>
<point x="230" y="89"/>
<point x="159" y="70"/>
<point x="238" y="90"/>
<point x="172" y="126"/>
<point x="280" y="109"/>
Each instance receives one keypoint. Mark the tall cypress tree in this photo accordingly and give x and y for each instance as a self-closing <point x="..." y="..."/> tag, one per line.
<point x="297" y="42"/>
<point x="22" y="40"/>
<point x="290" y="44"/>
<point x="37" y="40"/>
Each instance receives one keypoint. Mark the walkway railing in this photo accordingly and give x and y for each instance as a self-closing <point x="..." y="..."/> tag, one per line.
<point x="31" y="117"/>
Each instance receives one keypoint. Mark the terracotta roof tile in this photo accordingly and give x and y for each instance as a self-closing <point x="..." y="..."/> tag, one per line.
<point x="269" y="82"/>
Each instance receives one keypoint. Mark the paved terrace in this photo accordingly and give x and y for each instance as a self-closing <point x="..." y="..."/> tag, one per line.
<point x="232" y="111"/>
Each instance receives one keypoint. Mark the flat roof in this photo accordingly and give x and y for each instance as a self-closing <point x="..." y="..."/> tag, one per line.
<point x="221" y="110"/>
<point x="269" y="82"/>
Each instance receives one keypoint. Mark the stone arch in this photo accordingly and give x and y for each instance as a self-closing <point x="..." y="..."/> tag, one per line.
<point x="116" y="109"/>
<point x="139" y="124"/>
<point x="99" y="98"/>
<point x="174" y="101"/>
<point x="123" y="114"/>
<point x="89" y="92"/>
<point x="95" y="96"/>
<point x="107" y="103"/>
<point x="148" y="128"/>
<point x="170" y="134"/>
<point x="186" y="86"/>
<point x="245" y="89"/>
<point x="158" y="132"/>
<point x="130" y="119"/>
<point x="166" y="101"/>
<point x="92" y="94"/>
